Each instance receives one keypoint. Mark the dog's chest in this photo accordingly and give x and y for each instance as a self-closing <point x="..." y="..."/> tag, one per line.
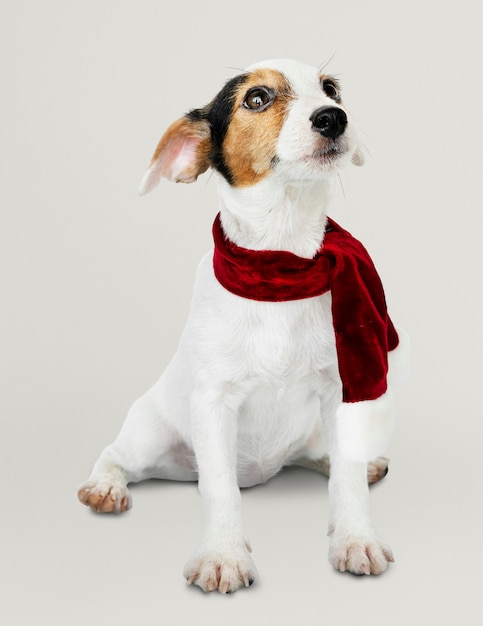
<point x="288" y="340"/>
<point x="273" y="342"/>
<point x="291" y="366"/>
<point x="276" y="361"/>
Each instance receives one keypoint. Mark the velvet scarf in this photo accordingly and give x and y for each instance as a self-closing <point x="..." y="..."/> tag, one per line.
<point x="364" y="332"/>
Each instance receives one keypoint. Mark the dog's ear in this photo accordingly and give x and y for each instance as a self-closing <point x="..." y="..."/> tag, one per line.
<point x="358" y="157"/>
<point x="182" y="153"/>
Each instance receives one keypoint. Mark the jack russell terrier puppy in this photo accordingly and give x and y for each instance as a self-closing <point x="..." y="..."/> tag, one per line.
<point x="288" y="347"/>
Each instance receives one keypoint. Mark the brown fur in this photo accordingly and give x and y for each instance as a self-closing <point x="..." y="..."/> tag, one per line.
<point x="172" y="142"/>
<point x="249" y="146"/>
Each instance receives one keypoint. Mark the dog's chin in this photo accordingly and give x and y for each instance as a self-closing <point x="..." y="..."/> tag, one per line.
<point x="321" y="162"/>
<point x="330" y="155"/>
<point x="329" y="160"/>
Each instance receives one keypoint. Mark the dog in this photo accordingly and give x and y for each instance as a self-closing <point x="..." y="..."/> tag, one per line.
<point x="264" y="376"/>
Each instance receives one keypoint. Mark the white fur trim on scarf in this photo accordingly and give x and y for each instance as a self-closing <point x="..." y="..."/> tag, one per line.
<point x="364" y="428"/>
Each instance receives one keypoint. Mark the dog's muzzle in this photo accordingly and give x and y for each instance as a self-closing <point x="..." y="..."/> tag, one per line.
<point x="329" y="121"/>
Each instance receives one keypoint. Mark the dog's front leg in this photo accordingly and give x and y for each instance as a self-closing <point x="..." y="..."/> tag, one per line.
<point x="354" y="543"/>
<point x="222" y="561"/>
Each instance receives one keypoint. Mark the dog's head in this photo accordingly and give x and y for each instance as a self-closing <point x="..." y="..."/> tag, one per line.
<point x="278" y="117"/>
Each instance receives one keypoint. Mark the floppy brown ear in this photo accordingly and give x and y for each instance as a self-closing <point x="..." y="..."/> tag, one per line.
<point x="182" y="154"/>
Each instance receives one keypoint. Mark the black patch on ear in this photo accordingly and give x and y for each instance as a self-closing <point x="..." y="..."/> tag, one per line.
<point x="219" y="113"/>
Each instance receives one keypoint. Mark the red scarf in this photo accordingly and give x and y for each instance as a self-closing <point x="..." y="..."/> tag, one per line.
<point x="364" y="332"/>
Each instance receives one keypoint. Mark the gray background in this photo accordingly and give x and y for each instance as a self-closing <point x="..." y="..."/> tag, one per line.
<point x="95" y="285"/>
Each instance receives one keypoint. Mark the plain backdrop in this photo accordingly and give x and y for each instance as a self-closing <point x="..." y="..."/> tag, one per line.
<point x="96" y="283"/>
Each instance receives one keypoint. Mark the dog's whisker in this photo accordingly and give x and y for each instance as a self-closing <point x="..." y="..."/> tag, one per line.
<point x="327" y="62"/>
<point x="342" y="186"/>
<point x="209" y="177"/>
<point x="366" y="149"/>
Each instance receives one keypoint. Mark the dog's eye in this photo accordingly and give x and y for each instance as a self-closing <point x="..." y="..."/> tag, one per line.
<point x="331" y="89"/>
<point x="258" y="99"/>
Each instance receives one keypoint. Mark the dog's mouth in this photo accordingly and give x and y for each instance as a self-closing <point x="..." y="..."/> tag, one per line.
<point x="331" y="152"/>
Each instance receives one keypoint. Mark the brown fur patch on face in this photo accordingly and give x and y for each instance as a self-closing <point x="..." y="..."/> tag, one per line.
<point x="249" y="147"/>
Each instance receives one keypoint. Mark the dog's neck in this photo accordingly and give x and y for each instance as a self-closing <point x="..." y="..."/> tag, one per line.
<point x="276" y="215"/>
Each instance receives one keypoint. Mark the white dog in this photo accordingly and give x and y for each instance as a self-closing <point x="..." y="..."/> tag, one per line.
<point x="273" y="368"/>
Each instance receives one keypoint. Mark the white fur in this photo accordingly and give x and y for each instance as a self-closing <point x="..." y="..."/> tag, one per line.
<point x="254" y="385"/>
<point x="364" y="428"/>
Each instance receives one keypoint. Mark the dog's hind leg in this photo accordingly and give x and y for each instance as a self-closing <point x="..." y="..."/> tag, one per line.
<point x="376" y="470"/>
<point x="321" y="465"/>
<point x="146" y="447"/>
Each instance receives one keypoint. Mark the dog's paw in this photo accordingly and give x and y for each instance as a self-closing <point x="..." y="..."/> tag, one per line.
<point x="359" y="555"/>
<point x="225" y="569"/>
<point x="376" y="470"/>
<point x="104" y="497"/>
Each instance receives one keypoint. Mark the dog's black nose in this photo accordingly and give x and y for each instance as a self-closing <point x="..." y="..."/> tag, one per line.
<point x="329" y="121"/>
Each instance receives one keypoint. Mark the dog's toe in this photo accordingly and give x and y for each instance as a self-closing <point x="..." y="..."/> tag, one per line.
<point x="376" y="470"/>
<point x="105" y="498"/>
<point x="360" y="556"/>
<point x="226" y="570"/>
